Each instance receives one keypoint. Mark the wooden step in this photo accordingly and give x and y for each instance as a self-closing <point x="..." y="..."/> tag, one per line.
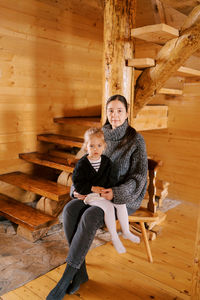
<point x="83" y="121"/>
<point x="47" y="160"/>
<point x="37" y="185"/>
<point x="23" y="214"/>
<point x="62" y="154"/>
<point x="141" y="63"/>
<point x="157" y="33"/>
<point x="61" y="140"/>
<point x="170" y="91"/>
<point x="151" y="117"/>
<point x="188" y="72"/>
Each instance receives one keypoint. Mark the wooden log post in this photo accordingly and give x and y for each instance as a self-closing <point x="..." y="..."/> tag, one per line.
<point x="170" y="58"/>
<point x="119" y="19"/>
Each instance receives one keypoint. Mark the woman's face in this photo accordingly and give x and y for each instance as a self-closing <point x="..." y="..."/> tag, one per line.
<point x="116" y="113"/>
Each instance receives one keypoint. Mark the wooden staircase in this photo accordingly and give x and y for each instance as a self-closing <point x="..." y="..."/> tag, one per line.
<point x="27" y="217"/>
<point x="159" y="34"/>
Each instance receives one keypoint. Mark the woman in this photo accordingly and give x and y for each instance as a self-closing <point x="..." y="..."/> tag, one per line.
<point x="127" y="151"/>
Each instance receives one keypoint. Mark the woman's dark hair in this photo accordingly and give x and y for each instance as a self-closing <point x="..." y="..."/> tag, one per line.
<point x="120" y="98"/>
<point x="130" y="132"/>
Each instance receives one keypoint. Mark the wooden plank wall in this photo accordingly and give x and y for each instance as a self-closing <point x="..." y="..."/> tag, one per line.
<point x="50" y="66"/>
<point x="179" y="146"/>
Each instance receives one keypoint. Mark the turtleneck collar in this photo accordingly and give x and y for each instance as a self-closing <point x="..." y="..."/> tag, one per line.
<point x="117" y="133"/>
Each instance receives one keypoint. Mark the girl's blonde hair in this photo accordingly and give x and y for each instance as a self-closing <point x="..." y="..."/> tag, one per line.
<point x="93" y="131"/>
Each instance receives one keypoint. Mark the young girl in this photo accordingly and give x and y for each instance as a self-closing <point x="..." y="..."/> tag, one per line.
<point x="92" y="174"/>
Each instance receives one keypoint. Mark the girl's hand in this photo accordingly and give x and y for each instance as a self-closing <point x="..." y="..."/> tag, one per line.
<point x="107" y="194"/>
<point x="79" y="196"/>
<point x="97" y="189"/>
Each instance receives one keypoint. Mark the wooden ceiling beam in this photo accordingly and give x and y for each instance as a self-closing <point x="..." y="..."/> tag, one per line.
<point x="169" y="59"/>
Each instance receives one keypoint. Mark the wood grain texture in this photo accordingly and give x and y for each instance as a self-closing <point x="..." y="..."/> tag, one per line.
<point x="157" y="33"/>
<point x="24" y="215"/>
<point x="84" y="121"/>
<point x="61" y="139"/>
<point x="119" y="18"/>
<point x="171" y="57"/>
<point x="196" y="265"/>
<point x="37" y="185"/>
<point x="47" y="160"/>
<point x="168" y="278"/>
<point x="149" y="118"/>
<point x="51" y="65"/>
<point x="141" y="63"/>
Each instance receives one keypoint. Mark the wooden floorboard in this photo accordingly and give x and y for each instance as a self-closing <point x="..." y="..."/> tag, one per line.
<point x="130" y="276"/>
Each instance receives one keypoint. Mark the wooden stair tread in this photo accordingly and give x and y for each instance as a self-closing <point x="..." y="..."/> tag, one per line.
<point x="47" y="160"/>
<point x="170" y="91"/>
<point x="83" y="121"/>
<point x="60" y="139"/>
<point x="141" y="63"/>
<point x="157" y="33"/>
<point x="62" y="154"/>
<point x="23" y="214"/>
<point x="188" y="72"/>
<point x="151" y="117"/>
<point x="37" y="185"/>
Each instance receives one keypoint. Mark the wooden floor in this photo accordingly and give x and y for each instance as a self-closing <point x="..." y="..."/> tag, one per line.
<point x="130" y="275"/>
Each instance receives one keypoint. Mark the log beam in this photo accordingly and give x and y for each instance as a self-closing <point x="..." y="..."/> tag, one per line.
<point x="119" y="19"/>
<point x="170" y="58"/>
<point x="158" y="11"/>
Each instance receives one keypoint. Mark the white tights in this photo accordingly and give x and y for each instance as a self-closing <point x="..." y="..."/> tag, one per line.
<point x="109" y="216"/>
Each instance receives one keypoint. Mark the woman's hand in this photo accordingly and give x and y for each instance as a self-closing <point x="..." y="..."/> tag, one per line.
<point x="79" y="196"/>
<point x="107" y="194"/>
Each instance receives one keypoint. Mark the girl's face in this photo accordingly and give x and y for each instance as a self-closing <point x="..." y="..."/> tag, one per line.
<point x="95" y="147"/>
<point x="116" y="113"/>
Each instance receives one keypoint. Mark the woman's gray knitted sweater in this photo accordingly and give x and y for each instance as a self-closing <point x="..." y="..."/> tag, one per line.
<point x="130" y="164"/>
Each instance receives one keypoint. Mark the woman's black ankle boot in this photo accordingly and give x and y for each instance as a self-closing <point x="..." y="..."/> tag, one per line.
<point x="60" y="289"/>
<point x="80" y="277"/>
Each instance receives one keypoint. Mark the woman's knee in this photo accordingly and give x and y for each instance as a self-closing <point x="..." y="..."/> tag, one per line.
<point x="73" y="209"/>
<point x="72" y="206"/>
<point x="93" y="217"/>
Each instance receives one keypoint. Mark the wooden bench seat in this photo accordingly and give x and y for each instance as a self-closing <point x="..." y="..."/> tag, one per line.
<point x="24" y="215"/>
